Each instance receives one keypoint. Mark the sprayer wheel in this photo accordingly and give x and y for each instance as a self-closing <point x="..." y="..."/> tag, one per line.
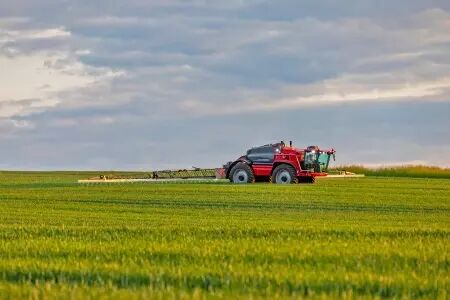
<point x="242" y="173"/>
<point x="284" y="174"/>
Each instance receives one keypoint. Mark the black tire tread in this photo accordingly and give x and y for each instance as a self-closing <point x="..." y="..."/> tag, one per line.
<point x="244" y="166"/>
<point x="287" y="167"/>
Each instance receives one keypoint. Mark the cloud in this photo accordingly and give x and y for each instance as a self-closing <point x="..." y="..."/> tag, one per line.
<point x="51" y="33"/>
<point x="372" y="67"/>
<point x="34" y="81"/>
<point x="87" y="75"/>
<point x="264" y="65"/>
<point x="354" y="88"/>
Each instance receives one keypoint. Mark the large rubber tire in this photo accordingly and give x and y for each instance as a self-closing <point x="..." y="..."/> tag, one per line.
<point x="241" y="173"/>
<point x="284" y="174"/>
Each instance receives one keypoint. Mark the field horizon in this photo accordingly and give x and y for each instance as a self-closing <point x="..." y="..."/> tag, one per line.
<point x="413" y="171"/>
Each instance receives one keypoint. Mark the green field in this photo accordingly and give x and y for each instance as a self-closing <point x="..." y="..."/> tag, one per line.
<point x="361" y="237"/>
<point x="399" y="171"/>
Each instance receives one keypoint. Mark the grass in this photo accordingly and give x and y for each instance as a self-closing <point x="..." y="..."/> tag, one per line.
<point x="399" y="171"/>
<point x="361" y="237"/>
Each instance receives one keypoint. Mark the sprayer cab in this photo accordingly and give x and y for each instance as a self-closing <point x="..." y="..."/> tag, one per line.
<point x="317" y="160"/>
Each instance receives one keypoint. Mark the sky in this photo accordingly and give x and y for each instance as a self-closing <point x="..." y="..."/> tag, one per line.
<point x="144" y="85"/>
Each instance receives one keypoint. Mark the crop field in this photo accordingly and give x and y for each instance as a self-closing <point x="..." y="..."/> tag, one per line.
<point x="400" y="171"/>
<point x="349" y="238"/>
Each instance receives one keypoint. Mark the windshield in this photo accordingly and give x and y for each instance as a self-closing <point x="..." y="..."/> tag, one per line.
<point x="317" y="161"/>
<point x="310" y="158"/>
